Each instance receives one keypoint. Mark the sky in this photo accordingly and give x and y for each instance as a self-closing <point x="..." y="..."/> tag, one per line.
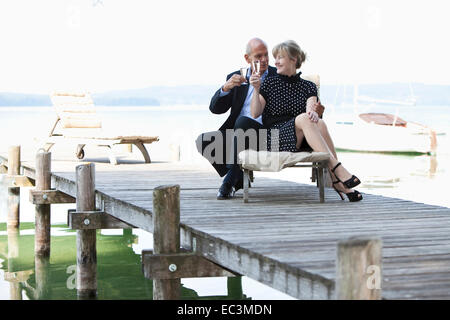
<point x="101" y="45"/>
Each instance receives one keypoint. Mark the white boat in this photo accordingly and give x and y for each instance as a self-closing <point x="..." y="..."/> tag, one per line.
<point x="382" y="132"/>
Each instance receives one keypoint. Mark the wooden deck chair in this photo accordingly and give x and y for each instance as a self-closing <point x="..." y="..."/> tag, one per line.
<point x="80" y="123"/>
<point x="251" y="160"/>
<point x="315" y="78"/>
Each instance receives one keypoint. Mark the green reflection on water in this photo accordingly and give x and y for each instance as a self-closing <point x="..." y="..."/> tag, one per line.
<point x="119" y="269"/>
<point x="394" y="153"/>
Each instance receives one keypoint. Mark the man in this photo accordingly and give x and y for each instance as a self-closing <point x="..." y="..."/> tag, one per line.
<point x="236" y="94"/>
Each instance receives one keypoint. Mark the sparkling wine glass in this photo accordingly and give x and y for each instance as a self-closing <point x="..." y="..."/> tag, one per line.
<point x="256" y="66"/>
<point x="244" y="73"/>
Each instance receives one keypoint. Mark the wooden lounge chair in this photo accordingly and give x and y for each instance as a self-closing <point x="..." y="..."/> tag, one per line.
<point x="80" y="124"/>
<point x="251" y="160"/>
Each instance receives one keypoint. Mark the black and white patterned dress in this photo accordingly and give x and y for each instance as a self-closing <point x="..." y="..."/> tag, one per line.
<point x="285" y="99"/>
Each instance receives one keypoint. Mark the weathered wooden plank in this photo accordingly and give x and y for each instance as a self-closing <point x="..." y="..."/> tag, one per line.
<point x="181" y="265"/>
<point x="16" y="181"/>
<point x="50" y="197"/>
<point x="95" y="220"/>
<point x="18" y="276"/>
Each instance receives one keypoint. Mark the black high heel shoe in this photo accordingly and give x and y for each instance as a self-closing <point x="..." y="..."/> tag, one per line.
<point x="352" y="196"/>
<point x="350" y="183"/>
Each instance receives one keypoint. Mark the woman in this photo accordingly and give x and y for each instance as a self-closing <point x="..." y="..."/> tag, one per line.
<point x="286" y="103"/>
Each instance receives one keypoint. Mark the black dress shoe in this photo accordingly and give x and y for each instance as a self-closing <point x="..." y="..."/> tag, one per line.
<point x="226" y="192"/>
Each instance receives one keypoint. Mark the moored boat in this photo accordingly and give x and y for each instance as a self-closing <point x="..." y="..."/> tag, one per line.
<point x="383" y="132"/>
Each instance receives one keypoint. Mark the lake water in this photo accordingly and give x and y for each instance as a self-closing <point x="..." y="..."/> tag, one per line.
<point x="418" y="178"/>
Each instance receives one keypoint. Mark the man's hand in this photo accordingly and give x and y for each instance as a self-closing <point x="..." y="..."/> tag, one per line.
<point x="234" y="81"/>
<point x="319" y="108"/>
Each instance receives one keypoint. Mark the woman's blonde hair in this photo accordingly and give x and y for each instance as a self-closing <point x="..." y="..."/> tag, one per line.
<point x="292" y="49"/>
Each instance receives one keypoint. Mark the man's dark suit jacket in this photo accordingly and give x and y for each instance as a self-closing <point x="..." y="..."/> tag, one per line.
<point x="234" y="100"/>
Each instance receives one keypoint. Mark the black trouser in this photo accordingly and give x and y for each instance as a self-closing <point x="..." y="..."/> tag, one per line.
<point x="205" y="140"/>
<point x="224" y="163"/>
<point x="235" y="175"/>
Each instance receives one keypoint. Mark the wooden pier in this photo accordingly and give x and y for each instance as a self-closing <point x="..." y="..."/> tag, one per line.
<point x="283" y="237"/>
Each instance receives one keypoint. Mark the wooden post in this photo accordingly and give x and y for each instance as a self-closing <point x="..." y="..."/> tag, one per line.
<point x="86" y="239"/>
<point x="246" y="184"/>
<point x="15" y="289"/>
<point x="42" y="211"/>
<point x="320" y="181"/>
<point x="358" y="274"/>
<point x="166" y="236"/>
<point x="42" y="277"/>
<point x="13" y="193"/>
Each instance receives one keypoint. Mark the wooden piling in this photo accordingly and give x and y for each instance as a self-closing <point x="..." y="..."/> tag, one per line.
<point x="42" y="211"/>
<point x="42" y="277"/>
<point x="166" y="236"/>
<point x="14" y="192"/>
<point x="358" y="274"/>
<point x="86" y="239"/>
<point x="15" y="289"/>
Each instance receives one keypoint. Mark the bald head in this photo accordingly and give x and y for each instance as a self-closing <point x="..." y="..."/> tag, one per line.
<point x="254" y="43"/>
<point x="257" y="51"/>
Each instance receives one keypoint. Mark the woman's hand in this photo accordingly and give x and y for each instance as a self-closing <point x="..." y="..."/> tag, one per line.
<point x="319" y="108"/>
<point x="255" y="81"/>
<point x="313" y="116"/>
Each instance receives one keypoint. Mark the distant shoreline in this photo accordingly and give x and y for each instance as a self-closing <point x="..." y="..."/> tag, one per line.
<point x="425" y="95"/>
<point x="180" y="107"/>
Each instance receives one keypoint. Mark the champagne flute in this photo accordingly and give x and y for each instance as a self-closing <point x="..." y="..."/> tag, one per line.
<point x="256" y="66"/>
<point x="244" y="74"/>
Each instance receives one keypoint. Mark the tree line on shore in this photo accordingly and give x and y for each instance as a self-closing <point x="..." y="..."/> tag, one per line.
<point x="424" y="94"/>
